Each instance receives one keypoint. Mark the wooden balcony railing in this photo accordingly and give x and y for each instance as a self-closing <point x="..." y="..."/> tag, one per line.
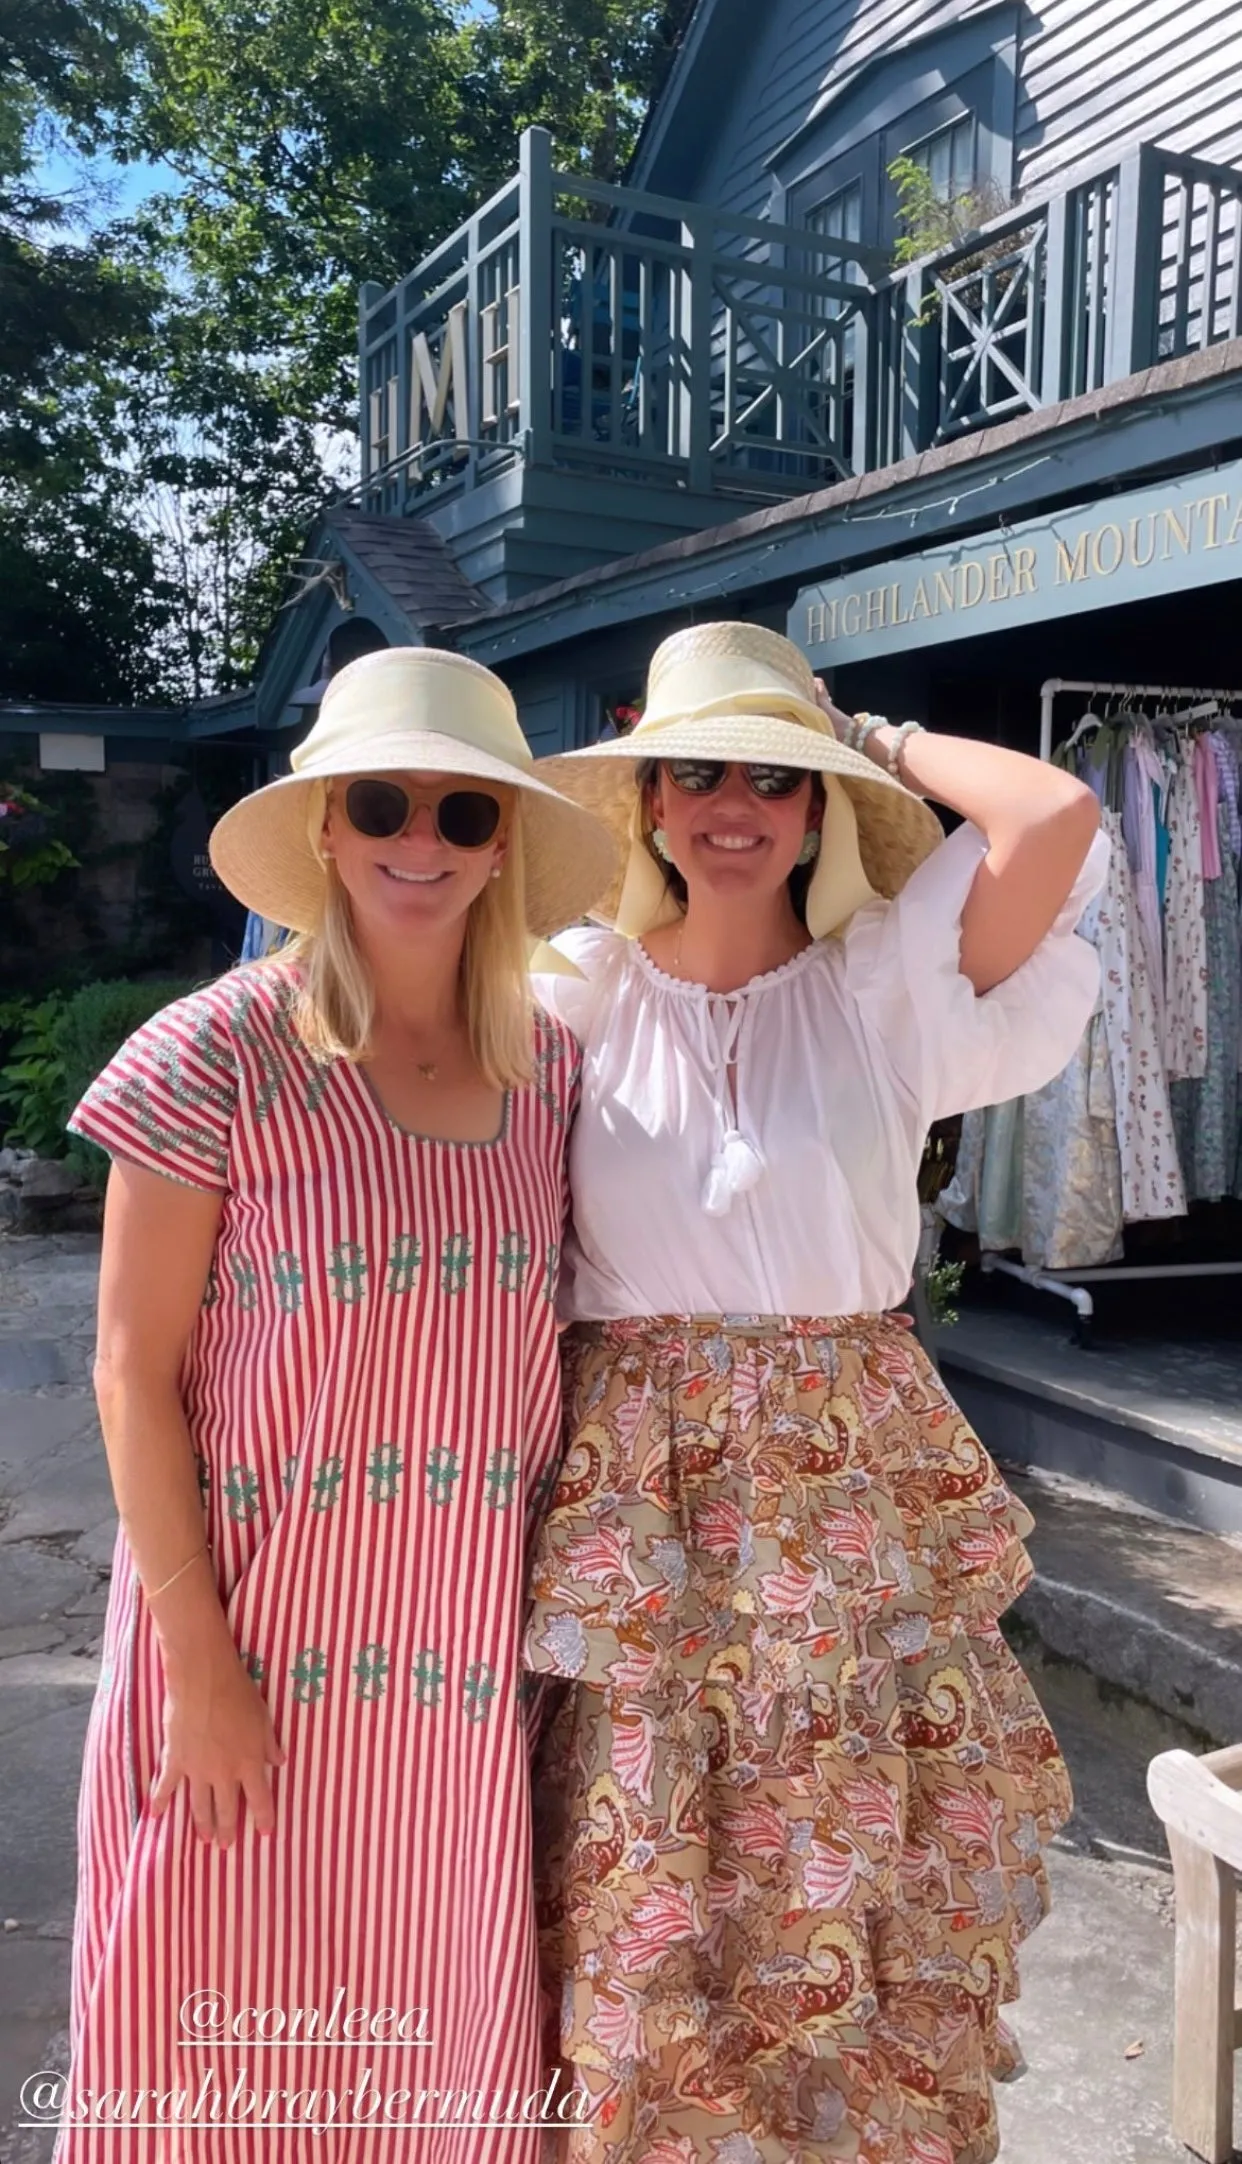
<point x="596" y="329"/>
<point x="1135" y="263"/>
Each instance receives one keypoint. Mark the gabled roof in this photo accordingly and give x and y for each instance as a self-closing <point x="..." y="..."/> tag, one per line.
<point x="409" y="559"/>
<point x="894" y="56"/>
<point x="680" y="126"/>
<point x="397" y="571"/>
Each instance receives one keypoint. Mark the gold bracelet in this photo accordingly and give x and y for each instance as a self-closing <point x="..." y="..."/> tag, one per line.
<point x="178" y="1573"/>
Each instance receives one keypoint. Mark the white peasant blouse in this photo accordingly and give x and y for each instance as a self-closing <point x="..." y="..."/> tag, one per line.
<point x="801" y="1200"/>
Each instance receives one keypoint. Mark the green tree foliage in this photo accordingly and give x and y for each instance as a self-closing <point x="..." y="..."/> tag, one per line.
<point x="232" y="474"/>
<point x="79" y="594"/>
<point x="324" y="142"/>
<point x="74" y="57"/>
<point x="585" y="69"/>
<point x="318" y="143"/>
<point x="178" y="392"/>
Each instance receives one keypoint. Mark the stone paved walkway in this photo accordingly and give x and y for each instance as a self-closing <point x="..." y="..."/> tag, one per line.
<point x="57" y="1526"/>
<point x="1097" y="1977"/>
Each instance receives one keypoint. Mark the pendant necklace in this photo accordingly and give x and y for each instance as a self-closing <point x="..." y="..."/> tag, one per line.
<point x="427" y="1069"/>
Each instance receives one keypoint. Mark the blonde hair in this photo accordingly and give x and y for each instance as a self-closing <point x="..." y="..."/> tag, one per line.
<point x="334" y="1012"/>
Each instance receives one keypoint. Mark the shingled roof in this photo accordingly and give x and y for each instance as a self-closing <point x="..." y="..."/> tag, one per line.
<point x="408" y="558"/>
<point x="1162" y="380"/>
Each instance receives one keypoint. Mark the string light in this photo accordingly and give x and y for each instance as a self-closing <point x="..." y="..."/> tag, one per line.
<point x="950" y="503"/>
<point x="500" y="645"/>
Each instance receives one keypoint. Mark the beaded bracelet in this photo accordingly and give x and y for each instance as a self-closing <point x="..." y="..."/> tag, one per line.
<point x="898" y="745"/>
<point x="861" y="726"/>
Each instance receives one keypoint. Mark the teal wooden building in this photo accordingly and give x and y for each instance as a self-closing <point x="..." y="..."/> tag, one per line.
<point x="604" y="411"/>
<point x="593" y="413"/>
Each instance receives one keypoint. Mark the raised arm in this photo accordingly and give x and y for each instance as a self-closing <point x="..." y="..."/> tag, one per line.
<point x="1038" y="823"/>
<point x="159" y="1237"/>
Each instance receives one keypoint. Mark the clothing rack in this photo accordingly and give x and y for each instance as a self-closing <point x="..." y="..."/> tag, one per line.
<point x="1051" y="690"/>
<point x="1072" y="1285"/>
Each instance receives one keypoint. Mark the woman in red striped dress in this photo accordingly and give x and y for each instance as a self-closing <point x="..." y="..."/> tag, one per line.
<point x="329" y="1388"/>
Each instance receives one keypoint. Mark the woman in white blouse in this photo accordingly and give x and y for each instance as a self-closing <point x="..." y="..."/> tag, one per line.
<point x="800" y="1784"/>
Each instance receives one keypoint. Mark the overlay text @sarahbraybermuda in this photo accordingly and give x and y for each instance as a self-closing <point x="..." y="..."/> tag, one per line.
<point x="48" y="2100"/>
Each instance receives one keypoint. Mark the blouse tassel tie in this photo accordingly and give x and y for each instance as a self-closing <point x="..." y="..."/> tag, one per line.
<point x="737" y="1165"/>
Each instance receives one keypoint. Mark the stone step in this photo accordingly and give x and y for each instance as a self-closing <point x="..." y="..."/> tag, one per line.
<point x="1155" y="1420"/>
<point x="1146" y="1606"/>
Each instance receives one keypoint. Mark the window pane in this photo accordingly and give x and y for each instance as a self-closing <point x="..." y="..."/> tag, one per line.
<point x="948" y="158"/>
<point x="841" y="215"/>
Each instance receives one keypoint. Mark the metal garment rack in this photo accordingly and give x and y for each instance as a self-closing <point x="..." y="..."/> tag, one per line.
<point x="1072" y="1285"/>
<point x="1055" y="685"/>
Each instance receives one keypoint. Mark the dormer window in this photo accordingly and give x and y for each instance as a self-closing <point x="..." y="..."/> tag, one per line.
<point x="944" y="98"/>
<point x="839" y="215"/>
<point x="947" y="156"/>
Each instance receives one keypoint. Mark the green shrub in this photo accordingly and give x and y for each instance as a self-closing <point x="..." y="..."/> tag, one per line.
<point x="93" y="1025"/>
<point x="30" y="854"/>
<point x="32" y="1075"/>
<point x="15" y="1012"/>
<point x="51" y="1051"/>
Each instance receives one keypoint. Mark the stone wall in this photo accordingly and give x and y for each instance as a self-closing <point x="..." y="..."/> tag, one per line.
<point x="121" y="912"/>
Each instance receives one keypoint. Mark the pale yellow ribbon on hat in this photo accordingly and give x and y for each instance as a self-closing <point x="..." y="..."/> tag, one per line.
<point x="402" y="695"/>
<point x="545" y="960"/>
<point x="839" y="885"/>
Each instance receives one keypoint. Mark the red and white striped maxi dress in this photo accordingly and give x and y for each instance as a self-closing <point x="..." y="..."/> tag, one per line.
<point x="372" y="1389"/>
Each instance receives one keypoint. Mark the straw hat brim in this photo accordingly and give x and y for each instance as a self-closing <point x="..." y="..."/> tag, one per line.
<point x="896" y="829"/>
<point x="261" y="848"/>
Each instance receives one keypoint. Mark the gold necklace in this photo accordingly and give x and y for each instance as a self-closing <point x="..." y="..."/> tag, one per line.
<point x="428" y="1070"/>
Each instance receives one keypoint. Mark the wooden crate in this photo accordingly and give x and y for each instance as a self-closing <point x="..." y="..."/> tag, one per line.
<point x="1200" y="1802"/>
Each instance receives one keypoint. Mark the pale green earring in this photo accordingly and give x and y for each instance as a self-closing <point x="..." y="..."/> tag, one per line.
<point x="659" y="842"/>
<point x="810" y="847"/>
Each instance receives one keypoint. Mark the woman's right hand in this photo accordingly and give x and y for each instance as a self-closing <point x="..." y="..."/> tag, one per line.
<point x="826" y="704"/>
<point x="218" y="1736"/>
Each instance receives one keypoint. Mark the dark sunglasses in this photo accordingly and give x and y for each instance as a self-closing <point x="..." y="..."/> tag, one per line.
<point x="702" y="777"/>
<point x="464" y="818"/>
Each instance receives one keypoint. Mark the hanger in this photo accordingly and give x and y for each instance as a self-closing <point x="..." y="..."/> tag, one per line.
<point x="1088" y="721"/>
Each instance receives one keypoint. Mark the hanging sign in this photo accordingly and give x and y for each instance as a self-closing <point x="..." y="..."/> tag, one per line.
<point x="1181" y="534"/>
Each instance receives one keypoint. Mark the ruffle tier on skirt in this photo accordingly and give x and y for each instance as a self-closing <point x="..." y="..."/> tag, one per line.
<point x="790" y="1816"/>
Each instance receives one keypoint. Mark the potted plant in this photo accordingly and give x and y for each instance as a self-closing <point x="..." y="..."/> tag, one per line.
<point x="941" y="1281"/>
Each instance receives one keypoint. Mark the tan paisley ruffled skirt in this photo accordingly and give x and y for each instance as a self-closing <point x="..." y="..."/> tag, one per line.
<point x="791" y="1812"/>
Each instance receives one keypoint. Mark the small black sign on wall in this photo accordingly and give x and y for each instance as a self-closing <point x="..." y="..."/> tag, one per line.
<point x="192" y="866"/>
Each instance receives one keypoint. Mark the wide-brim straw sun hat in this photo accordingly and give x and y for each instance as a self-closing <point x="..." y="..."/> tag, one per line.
<point x="410" y="709"/>
<point x="738" y="692"/>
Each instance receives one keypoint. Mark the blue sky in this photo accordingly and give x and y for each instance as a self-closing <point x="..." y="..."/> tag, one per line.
<point x="126" y="185"/>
